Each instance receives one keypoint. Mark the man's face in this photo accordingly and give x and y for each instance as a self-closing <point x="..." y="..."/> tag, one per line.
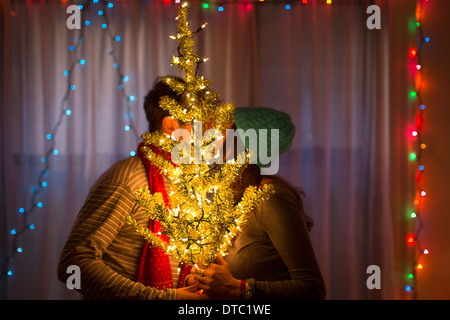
<point x="169" y="125"/>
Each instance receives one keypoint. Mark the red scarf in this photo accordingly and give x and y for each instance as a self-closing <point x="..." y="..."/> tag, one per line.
<point x="154" y="267"/>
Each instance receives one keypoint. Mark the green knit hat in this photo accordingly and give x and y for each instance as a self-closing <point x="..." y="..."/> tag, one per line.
<point x="265" y="118"/>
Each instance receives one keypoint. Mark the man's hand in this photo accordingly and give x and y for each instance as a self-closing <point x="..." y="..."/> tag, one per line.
<point x="217" y="280"/>
<point x="191" y="293"/>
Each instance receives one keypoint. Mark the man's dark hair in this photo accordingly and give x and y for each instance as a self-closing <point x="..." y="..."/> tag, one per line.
<point x="153" y="112"/>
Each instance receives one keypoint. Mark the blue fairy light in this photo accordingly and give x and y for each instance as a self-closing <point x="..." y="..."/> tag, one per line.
<point x="41" y="183"/>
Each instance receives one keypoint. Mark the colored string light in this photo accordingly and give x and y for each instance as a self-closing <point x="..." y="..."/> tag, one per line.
<point x="248" y="4"/>
<point x="413" y="239"/>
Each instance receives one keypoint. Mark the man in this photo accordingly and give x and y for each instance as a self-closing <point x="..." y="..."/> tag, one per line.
<point x="115" y="262"/>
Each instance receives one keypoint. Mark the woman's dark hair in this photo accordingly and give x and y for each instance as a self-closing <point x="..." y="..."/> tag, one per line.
<point x="153" y="112"/>
<point x="252" y="177"/>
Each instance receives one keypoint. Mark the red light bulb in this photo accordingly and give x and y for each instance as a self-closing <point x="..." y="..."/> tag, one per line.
<point x="410" y="239"/>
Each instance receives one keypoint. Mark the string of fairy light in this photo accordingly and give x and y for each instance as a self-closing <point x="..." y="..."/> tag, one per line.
<point x="101" y="8"/>
<point x="417" y="155"/>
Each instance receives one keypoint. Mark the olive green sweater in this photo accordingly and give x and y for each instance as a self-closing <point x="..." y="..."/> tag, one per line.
<point x="274" y="252"/>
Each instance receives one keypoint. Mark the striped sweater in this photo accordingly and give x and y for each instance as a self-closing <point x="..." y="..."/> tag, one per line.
<point x="106" y="249"/>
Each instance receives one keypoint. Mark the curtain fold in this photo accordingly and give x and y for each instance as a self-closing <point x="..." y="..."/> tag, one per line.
<point x="319" y="63"/>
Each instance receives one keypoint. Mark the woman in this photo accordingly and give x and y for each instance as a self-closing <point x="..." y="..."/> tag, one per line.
<point x="272" y="258"/>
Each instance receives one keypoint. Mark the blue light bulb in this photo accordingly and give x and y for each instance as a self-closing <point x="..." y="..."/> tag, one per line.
<point x="133" y="153"/>
<point x="110" y="5"/>
<point x="132" y="98"/>
<point x="9" y="273"/>
<point x="49" y="136"/>
<point x="115" y="65"/>
<point x="82" y="61"/>
<point x="100" y="12"/>
<point x="220" y="8"/>
<point x="68" y="112"/>
<point x="126" y="128"/>
<point x="72" y="48"/>
<point x="44" y="184"/>
<point x="39" y="204"/>
<point x="32" y="227"/>
<point x="21" y="210"/>
<point x="43" y="159"/>
<point x="66" y="73"/>
<point x="87" y="22"/>
<point x="19" y="249"/>
<point x="13" y="231"/>
<point x="117" y="38"/>
<point x="104" y="25"/>
<point x="73" y="87"/>
<point x="55" y="152"/>
<point x="126" y="78"/>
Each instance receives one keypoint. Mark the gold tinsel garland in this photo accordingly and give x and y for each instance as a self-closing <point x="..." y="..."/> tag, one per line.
<point x="203" y="217"/>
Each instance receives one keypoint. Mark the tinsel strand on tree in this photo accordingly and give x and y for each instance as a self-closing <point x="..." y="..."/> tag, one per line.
<point x="203" y="216"/>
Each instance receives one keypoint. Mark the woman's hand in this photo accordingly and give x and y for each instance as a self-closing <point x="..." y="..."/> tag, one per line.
<point x="190" y="281"/>
<point x="217" y="280"/>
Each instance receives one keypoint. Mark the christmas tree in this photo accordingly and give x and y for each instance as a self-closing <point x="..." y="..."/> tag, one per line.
<point x="203" y="216"/>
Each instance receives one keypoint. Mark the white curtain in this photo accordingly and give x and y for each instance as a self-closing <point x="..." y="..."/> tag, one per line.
<point x="317" y="62"/>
